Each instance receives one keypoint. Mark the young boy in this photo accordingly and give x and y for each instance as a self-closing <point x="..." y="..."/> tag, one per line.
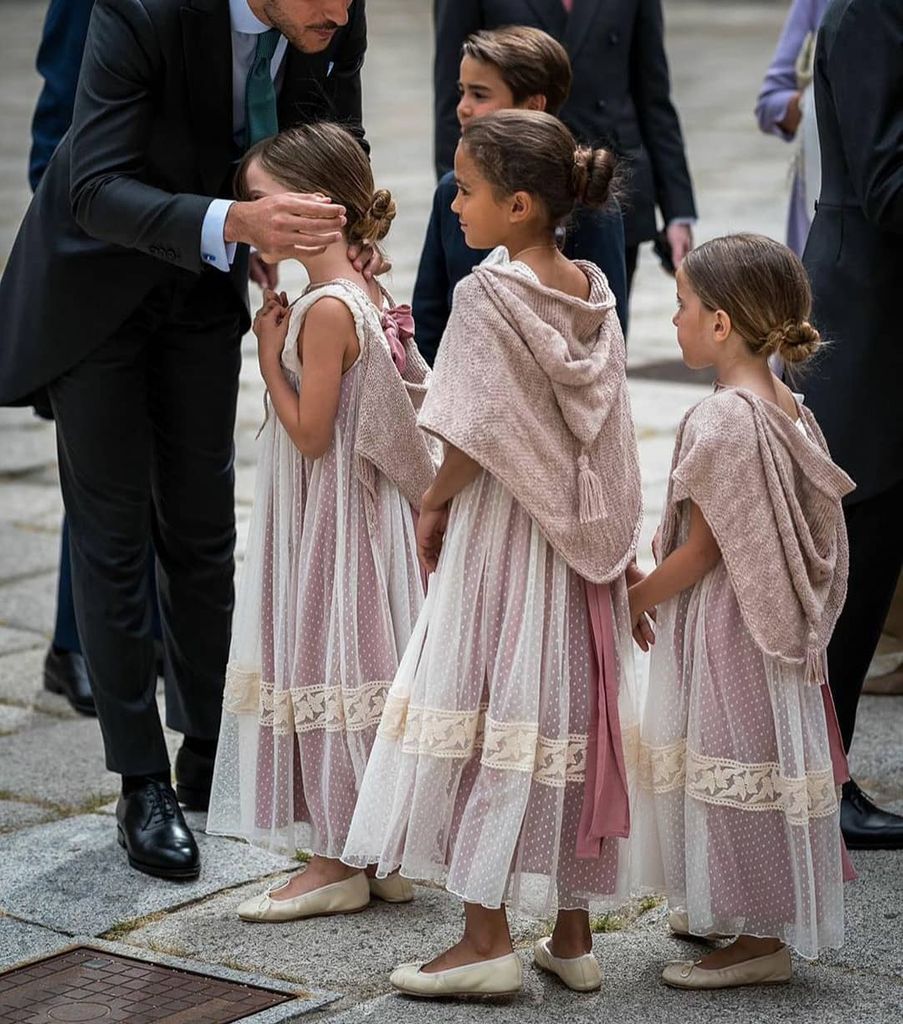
<point x="500" y="68"/>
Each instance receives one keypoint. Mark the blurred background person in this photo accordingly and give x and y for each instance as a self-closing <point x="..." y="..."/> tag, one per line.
<point x="854" y="257"/>
<point x="620" y="100"/>
<point x="785" y="108"/>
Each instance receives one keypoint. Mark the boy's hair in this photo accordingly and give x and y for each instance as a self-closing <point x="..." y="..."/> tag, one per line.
<point x="763" y="288"/>
<point x="531" y="151"/>
<point x="530" y="62"/>
<point x="325" y="158"/>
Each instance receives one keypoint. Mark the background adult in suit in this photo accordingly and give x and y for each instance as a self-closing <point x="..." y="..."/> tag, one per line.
<point x="854" y="256"/>
<point x="59" y="60"/>
<point x="620" y="98"/>
<point x="125" y="296"/>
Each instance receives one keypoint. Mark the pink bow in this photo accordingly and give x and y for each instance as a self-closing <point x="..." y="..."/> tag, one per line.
<point x="398" y="327"/>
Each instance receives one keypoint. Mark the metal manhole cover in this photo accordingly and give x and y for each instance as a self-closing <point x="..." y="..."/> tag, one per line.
<point x="88" y="985"/>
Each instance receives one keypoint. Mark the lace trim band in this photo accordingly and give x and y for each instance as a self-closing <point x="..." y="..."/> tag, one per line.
<point x="728" y="783"/>
<point x="507" y="746"/>
<point x="304" y="708"/>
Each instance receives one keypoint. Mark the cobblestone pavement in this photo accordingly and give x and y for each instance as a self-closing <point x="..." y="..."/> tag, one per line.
<point x="61" y="873"/>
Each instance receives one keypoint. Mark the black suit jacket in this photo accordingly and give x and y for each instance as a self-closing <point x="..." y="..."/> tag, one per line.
<point x="124" y="196"/>
<point x="620" y="97"/>
<point x="854" y="253"/>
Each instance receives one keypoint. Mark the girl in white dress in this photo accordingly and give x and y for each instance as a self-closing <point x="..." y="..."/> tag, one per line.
<point x="331" y="586"/>
<point x="499" y="766"/>
<point x="740" y="758"/>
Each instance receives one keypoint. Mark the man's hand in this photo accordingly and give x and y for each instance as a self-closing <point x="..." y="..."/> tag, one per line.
<point x="265" y="275"/>
<point x="285" y="226"/>
<point x="680" y="240"/>
<point x="368" y="260"/>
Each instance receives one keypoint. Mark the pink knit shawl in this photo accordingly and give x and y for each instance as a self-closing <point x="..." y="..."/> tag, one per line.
<point x="772" y="498"/>
<point x="530" y="383"/>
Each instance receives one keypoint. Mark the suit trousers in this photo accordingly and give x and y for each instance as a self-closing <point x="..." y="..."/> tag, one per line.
<point x="145" y="430"/>
<point x="876" y="558"/>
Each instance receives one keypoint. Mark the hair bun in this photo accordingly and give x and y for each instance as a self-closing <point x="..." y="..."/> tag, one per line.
<point x="377" y="219"/>
<point x="592" y="175"/>
<point x="793" y="340"/>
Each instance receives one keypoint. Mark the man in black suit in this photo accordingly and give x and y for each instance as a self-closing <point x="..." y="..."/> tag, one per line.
<point x="125" y="298"/>
<point x="620" y="99"/>
<point x="854" y="256"/>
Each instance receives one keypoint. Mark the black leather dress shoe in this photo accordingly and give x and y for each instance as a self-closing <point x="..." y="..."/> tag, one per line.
<point x="194" y="777"/>
<point x="154" y="833"/>
<point x="865" y="826"/>
<point x="65" y="672"/>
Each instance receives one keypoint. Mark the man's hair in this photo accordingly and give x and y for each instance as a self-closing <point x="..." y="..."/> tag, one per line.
<point x="530" y="62"/>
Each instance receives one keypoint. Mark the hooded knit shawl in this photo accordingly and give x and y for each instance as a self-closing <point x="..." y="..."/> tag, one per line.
<point x="772" y="498"/>
<point x="387" y="435"/>
<point x="530" y="383"/>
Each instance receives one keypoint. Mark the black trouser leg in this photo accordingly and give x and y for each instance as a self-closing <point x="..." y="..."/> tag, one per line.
<point x="193" y="377"/>
<point x="138" y="411"/>
<point x="631" y="254"/>
<point x="876" y="557"/>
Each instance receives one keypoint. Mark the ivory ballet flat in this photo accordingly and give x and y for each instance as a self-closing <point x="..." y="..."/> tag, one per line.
<point x="772" y="969"/>
<point x="502" y="976"/>
<point x="393" y="889"/>
<point x="580" y="973"/>
<point x="679" y="923"/>
<point x="345" y="897"/>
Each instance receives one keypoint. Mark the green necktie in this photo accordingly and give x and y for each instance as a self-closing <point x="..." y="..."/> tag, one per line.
<point x="260" y="95"/>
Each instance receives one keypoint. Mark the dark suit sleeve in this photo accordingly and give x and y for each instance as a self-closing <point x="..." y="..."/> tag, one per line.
<point x="659" y="125"/>
<point x="430" y="303"/>
<point x="59" y="60"/>
<point x="454" y="22"/>
<point x="870" y="106"/>
<point x="111" y="125"/>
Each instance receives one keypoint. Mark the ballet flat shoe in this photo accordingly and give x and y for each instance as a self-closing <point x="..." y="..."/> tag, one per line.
<point x="580" y="973"/>
<point x="393" y="889"/>
<point x="502" y="976"/>
<point x="773" y="969"/>
<point x="345" y="897"/>
<point x="679" y="923"/>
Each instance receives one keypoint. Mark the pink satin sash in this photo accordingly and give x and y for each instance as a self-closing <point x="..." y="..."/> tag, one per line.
<point x="606" y="810"/>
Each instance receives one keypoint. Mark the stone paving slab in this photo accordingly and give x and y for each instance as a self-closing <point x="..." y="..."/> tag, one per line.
<point x="14" y="640"/>
<point x="876" y="756"/>
<point x="29" y="502"/>
<point x="30" y="603"/>
<point x="21" y="941"/>
<point x="66" y="768"/>
<point x="24" y="551"/>
<point x="27" y="448"/>
<point x="15" y="814"/>
<point x="22" y="680"/>
<point x="74" y="877"/>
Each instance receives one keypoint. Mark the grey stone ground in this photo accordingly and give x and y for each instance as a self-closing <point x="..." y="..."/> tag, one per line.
<point x="61" y="873"/>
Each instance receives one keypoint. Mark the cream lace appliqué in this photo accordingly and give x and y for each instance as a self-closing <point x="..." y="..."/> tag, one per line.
<point x="304" y="708"/>
<point x="507" y="746"/>
<point x="728" y="783"/>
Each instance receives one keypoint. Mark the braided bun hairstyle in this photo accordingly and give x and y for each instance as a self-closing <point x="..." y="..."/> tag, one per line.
<point x="376" y="220"/>
<point x="531" y="151"/>
<point x="328" y="159"/>
<point x="763" y="288"/>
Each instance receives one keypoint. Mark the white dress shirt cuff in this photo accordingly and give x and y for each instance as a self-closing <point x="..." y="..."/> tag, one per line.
<point x="688" y="221"/>
<point x="215" y="250"/>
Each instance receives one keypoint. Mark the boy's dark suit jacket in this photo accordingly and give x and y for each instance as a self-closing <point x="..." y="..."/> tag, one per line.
<point x="620" y="96"/>
<point x="123" y="199"/>
<point x="854" y="254"/>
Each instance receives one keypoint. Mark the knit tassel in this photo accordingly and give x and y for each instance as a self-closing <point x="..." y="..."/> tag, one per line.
<point x="589" y="492"/>
<point x="814" y="667"/>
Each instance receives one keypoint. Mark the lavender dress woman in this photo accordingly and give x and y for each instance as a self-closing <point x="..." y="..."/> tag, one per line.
<point x="782" y="81"/>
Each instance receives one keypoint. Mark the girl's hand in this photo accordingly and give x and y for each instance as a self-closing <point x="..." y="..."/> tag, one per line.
<point x="640" y="625"/>
<point x="657" y="546"/>
<point x="270" y="325"/>
<point x="431" y="526"/>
